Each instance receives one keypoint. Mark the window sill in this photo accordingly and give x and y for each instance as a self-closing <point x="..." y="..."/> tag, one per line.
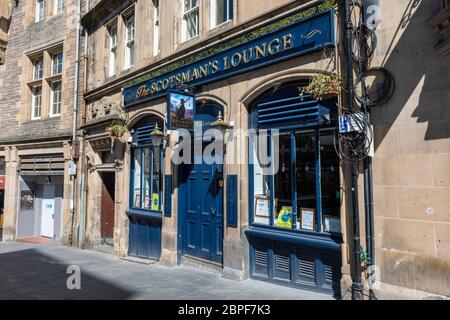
<point x="33" y="83"/>
<point x="54" y="77"/>
<point x="322" y="240"/>
<point x="220" y="27"/>
<point x="146" y="214"/>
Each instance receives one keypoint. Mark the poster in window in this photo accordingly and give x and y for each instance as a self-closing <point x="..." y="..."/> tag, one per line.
<point x="332" y="224"/>
<point x="26" y="200"/>
<point x="307" y="219"/>
<point x="284" y="219"/>
<point x="262" y="207"/>
<point x="181" y="110"/>
<point x="137" y="201"/>
<point x="155" y="202"/>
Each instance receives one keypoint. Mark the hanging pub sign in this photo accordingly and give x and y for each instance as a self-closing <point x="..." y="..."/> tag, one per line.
<point x="300" y="33"/>
<point x="181" y="110"/>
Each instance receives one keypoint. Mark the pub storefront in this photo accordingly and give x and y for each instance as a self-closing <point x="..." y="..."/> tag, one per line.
<point x="278" y="221"/>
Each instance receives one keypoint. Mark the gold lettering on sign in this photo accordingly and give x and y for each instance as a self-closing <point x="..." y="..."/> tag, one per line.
<point x="274" y="46"/>
<point x="287" y="42"/>
<point x="236" y="62"/>
<point x="261" y="53"/>
<point x="232" y="60"/>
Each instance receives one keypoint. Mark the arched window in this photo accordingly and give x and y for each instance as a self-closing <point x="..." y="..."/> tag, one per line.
<point x="300" y="188"/>
<point x="146" y="167"/>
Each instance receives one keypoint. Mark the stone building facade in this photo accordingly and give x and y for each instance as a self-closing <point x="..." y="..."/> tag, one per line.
<point x="242" y="62"/>
<point x="37" y="84"/>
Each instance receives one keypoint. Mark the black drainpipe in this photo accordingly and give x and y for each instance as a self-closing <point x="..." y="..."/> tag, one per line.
<point x="357" y="293"/>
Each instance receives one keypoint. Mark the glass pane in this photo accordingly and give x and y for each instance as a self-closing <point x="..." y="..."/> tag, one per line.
<point x="259" y="156"/>
<point x="283" y="187"/>
<point x="330" y="184"/>
<point x="137" y="178"/>
<point x="306" y="180"/>
<point x="156" y="181"/>
<point x="147" y="172"/>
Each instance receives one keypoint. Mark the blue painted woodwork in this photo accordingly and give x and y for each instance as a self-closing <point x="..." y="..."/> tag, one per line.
<point x="292" y="264"/>
<point x="232" y="201"/>
<point x="144" y="225"/>
<point x="201" y="201"/>
<point x="306" y="36"/>
<point x="144" y="235"/>
<point x="168" y="196"/>
<point x="298" y="258"/>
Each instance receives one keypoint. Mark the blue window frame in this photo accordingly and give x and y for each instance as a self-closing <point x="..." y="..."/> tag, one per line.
<point x="146" y="181"/>
<point x="300" y="189"/>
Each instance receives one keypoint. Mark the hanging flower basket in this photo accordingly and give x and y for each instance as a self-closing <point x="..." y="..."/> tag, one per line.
<point x="322" y="87"/>
<point x="117" y="131"/>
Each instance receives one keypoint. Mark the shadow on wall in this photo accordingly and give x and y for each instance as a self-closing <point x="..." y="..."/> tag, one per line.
<point x="422" y="80"/>
<point x="29" y="274"/>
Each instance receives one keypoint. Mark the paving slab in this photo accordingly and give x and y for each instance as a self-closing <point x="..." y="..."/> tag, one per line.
<point x="39" y="271"/>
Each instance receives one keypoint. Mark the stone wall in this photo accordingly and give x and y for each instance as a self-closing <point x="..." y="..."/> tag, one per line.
<point x="412" y="141"/>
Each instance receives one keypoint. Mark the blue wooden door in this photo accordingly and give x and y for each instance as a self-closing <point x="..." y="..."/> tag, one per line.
<point x="201" y="209"/>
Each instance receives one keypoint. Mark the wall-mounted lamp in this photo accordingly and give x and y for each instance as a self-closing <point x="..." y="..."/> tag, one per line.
<point x="158" y="137"/>
<point x="220" y="124"/>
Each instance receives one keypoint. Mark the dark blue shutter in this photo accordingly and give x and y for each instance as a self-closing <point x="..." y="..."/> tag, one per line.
<point x="168" y="196"/>
<point x="291" y="112"/>
<point x="142" y="134"/>
<point x="232" y="201"/>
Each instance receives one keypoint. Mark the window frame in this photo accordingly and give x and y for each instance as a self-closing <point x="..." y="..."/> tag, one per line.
<point x="56" y="64"/>
<point x="35" y="106"/>
<point x="228" y="15"/>
<point x="58" y="6"/>
<point x="151" y="150"/>
<point x="39" y="13"/>
<point x="38" y="73"/>
<point x="185" y="16"/>
<point x="130" y="47"/>
<point x="318" y="219"/>
<point x="52" y="99"/>
<point x="112" y="58"/>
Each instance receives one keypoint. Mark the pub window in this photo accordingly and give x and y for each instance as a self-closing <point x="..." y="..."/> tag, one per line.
<point x="40" y="10"/>
<point x="36" y="102"/>
<point x="221" y="12"/>
<point x="299" y="189"/>
<point x="129" y="41"/>
<point x="112" y="50"/>
<point x="146" y="168"/>
<point x="57" y="60"/>
<point x="58" y="6"/>
<point x="38" y="68"/>
<point x="191" y="19"/>
<point x="55" y="98"/>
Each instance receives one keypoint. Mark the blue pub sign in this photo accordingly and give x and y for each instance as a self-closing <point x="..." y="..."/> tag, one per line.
<point x="286" y="38"/>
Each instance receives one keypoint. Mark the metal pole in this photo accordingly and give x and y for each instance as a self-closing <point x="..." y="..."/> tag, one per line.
<point x="348" y="45"/>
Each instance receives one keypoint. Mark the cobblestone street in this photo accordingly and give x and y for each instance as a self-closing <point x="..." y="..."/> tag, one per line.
<point x="40" y="272"/>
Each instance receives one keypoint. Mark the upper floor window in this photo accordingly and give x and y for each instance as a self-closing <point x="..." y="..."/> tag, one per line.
<point x="57" y="59"/>
<point x="40" y="10"/>
<point x="58" y="6"/>
<point x="36" y="102"/>
<point x="55" y="98"/>
<point x="130" y="37"/>
<point x="38" y="68"/>
<point x="191" y="19"/>
<point x="112" y="51"/>
<point x="221" y="12"/>
<point x="156" y="17"/>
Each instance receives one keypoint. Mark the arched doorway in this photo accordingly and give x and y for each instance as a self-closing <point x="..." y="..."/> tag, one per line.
<point x="201" y="196"/>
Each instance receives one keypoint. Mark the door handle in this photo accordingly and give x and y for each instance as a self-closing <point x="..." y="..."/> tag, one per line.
<point x="213" y="212"/>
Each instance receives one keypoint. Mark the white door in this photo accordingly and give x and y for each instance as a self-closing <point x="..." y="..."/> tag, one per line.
<point x="48" y="211"/>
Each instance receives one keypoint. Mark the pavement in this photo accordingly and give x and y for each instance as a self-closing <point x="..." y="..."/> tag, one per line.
<point x="42" y="271"/>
